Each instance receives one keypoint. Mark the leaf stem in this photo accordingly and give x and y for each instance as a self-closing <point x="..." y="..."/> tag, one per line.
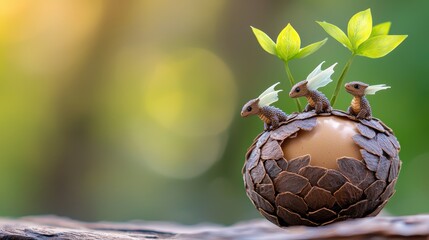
<point x="292" y="82"/>
<point x="340" y="80"/>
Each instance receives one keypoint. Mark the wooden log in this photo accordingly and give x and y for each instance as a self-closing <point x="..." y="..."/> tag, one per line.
<point x="51" y="227"/>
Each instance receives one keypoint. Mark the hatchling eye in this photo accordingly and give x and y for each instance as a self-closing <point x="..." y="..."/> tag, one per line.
<point x="356" y="86"/>
<point x="249" y="108"/>
<point x="297" y="89"/>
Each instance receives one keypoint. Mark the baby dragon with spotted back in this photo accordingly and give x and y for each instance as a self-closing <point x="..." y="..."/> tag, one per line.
<point x="359" y="106"/>
<point x="308" y="88"/>
<point x="271" y="116"/>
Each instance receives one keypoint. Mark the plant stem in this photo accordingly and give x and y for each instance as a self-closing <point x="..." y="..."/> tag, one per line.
<point x="292" y="82"/>
<point x="340" y="80"/>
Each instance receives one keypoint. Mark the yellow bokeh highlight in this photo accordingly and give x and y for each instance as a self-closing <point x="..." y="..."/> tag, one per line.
<point x="189" y="99"/>
<point x="191" y="93"/>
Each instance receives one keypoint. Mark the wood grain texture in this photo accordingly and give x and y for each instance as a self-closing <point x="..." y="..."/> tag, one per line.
<point x="51" y="227"/>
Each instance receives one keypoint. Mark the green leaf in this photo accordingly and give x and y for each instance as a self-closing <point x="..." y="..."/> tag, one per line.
<point x="265" y="41"/>
<point x="337" y="34"/>
<point x="288" y="43"/>
<point x="381" y="29"/>
<point x="380" y="46"/>
<point x="359" y="28"/>
<point x="310" y="49"/>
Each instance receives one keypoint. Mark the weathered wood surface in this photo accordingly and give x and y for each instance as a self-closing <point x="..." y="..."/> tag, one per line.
<point x="49" y="227"/>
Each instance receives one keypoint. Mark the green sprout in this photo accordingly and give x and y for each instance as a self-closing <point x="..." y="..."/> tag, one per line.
<point x="362" y="39"/>
<point x="287" y="47"/>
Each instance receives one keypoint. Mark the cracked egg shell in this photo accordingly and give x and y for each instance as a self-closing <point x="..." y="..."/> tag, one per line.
<point x="329" y="140"/>
<point x="318" y="169"/>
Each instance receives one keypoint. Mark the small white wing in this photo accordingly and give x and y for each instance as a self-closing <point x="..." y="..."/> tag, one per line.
<point x="316" y="71"/>
<point x="319" y="78"/>
<point x="375" y="88"/>
<point x="269" y="96"/>
<point x="269" y="90"/>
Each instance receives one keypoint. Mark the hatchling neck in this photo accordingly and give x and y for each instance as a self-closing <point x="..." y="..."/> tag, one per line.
<point x="356" y="103"/>
<point x="310" y="100"/>
<point x="264" y="118"/>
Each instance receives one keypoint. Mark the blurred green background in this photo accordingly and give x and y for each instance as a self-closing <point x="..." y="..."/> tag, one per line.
<point x="119" y="110"/>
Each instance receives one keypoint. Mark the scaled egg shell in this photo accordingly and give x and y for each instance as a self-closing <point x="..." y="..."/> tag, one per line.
<point x="318" y="169"/>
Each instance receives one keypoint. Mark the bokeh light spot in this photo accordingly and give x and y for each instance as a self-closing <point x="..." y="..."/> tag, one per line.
<point x="189" y="99"/>
<point x="191" y="93"/>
